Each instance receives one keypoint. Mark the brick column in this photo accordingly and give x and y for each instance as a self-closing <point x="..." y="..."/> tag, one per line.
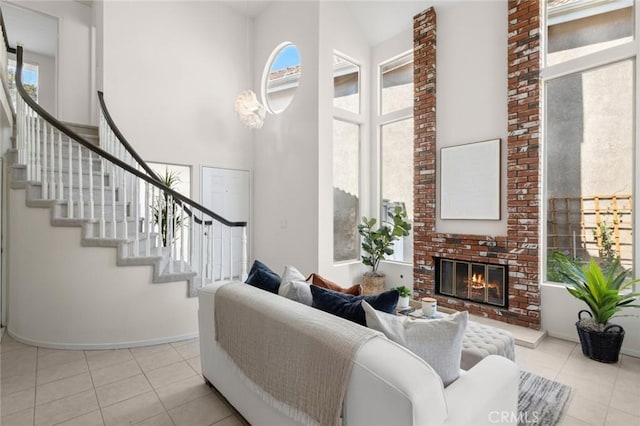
<point x="523" y="159"/>
<point x="519" y="249"/>
<point x="424" y="114"/>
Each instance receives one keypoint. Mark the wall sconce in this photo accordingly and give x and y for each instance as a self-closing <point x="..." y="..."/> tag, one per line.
<point x="250" y="112"/>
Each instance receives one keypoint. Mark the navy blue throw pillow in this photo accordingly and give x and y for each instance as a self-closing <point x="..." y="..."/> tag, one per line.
<point x="349" y="307"/>
<point x="264" y="278"/>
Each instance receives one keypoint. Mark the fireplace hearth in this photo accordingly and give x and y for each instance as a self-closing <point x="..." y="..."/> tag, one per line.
<point x="485" y="283"/>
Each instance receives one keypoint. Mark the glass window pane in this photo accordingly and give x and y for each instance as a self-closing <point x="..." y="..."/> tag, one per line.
<point x="397" y="84"/>
<point x="589" y="158"/>
<point x="578" y="28"/>
<point x="397" y="179"/>
<point x="29" y="79"/>
<point x="346" y="84"/>
<point x="346" y="190"/>
<point x="283" y="78"/>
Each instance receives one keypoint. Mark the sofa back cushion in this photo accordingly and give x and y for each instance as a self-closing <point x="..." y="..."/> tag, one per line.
<point x="349" y="307"/>
<point x="262" y="277"/>
<point x="438" y="341"/>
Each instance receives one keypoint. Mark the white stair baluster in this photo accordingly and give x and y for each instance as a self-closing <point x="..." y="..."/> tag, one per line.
<point x="19" y="130"/>
<point x="221" y="252"/>
<point x="148" y="221"/>
<point x="181" y="256"/>
<point x="136" y="206"/>
<point x="125" y="216"/>
<point x="38" y="165"/>
<point x="169" y="226"/>
<point x="211" y="254"/>
<point x="60" y="168"/>
<point x="201" y="251"/>
<point x="52" y="165"/>
<point x="159" y="208"/>
<point x="91" y="201"/>
<point x="192" y="239"/>
<point x="103" y="222"/>
<point x="230" y="252"/>
<point x="113" y="201"/>
<point x="70" y="171"/>
<point x="30" y="145"/>
<point x="80" y="194"/>
<point x="45" y="169"/>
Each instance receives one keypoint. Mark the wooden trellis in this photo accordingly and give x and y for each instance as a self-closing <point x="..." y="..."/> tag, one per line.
<point x="573" y="225"/>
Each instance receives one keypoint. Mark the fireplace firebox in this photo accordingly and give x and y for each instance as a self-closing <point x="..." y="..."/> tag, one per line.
<point x="475" y="281"/>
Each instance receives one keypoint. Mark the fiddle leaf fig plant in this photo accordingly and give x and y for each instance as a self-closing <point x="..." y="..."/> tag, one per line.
<point x="378" y="243"/>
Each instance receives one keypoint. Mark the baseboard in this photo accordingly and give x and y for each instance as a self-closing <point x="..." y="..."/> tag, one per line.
<point x="100" y="346"/>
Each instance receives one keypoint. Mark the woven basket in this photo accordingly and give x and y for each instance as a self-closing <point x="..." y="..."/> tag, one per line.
<point x="371" y="285"/>
<point x="602" y="346"/>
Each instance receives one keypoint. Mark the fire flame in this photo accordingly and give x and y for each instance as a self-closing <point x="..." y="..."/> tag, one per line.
<point x="477" y="283"/>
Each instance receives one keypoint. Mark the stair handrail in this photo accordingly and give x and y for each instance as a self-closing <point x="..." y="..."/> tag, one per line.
<point x="134" y="154"/>
<point x="73" y="135"/>
<point x="5" y="35"/>
<point x="118" y="134"/>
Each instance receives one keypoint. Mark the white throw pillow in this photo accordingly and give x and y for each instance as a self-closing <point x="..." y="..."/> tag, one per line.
<point x="293" y="286"/>
<point x="437" y="341"/>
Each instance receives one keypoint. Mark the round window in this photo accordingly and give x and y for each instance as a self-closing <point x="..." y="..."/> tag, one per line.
<point x="280" y="78"/>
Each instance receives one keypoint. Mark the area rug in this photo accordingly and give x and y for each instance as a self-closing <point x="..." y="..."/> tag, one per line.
<point x="540" y="400"/>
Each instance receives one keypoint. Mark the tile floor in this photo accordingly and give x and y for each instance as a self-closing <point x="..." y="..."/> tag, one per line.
<point x="161" y="385"/>
<point x="154" y="385"/>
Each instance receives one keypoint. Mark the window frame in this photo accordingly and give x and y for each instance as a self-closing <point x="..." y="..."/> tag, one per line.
<point x="379" y="121"/>
<point x="626" y="51"/>
<point x="358" y="119"/>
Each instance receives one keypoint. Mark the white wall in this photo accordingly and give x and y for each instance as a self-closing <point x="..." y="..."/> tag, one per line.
<point x="559" y="313"/>
<point x="285" y="190"/>
<point x="171" y="73"/>
<point x="471" y="75"/>
<point x="74" y="49"/>
<point x="64" y="295"/>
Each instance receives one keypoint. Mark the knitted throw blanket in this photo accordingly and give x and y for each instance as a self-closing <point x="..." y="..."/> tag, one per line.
<point x="297" y="358"/>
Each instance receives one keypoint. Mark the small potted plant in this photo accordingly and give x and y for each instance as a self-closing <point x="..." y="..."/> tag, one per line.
<point x="378" y="243"/>
<point x="405" y="294"/>
<point x="602" y="289"/>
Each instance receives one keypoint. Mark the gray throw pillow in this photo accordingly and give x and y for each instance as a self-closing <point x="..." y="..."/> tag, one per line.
<point x="438" y="342"/>
<point x="293" y="286"/>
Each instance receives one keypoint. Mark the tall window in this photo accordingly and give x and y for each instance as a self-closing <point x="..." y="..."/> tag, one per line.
<point x="346" y="159"/>
<point x="589" y="122"/>
<point x="396" y="145"/>
<point x="29" y="79"/>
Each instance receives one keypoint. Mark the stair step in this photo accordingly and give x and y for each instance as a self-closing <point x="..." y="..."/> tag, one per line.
<point x="35" y="192"/>
<point x="61" y="209"/>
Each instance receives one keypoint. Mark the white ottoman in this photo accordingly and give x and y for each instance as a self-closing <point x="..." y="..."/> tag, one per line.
<point x="480" y="341"/>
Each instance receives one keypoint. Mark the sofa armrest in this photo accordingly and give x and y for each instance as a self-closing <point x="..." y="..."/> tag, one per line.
<point x="487" y="394"/>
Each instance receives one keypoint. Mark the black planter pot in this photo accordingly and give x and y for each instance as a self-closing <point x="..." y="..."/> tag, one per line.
<point x="603" y="346"/>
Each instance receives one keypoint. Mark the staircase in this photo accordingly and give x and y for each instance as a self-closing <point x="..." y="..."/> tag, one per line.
<point x="92" y="178"/>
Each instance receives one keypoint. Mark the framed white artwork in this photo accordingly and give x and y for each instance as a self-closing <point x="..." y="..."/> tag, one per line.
<point x="470" y="181"/>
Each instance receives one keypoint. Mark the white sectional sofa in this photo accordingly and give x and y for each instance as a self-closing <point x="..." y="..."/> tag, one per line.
<point x="388" y="384"/>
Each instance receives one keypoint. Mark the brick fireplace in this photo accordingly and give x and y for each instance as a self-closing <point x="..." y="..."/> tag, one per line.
<point x="519" y="248"/>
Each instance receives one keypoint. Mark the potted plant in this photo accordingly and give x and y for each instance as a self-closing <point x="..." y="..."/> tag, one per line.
<point x="165" y="209"/>
<point x="405" y="293"/>
<point x="378" y="243"/>
<point x="603" y="290"/>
